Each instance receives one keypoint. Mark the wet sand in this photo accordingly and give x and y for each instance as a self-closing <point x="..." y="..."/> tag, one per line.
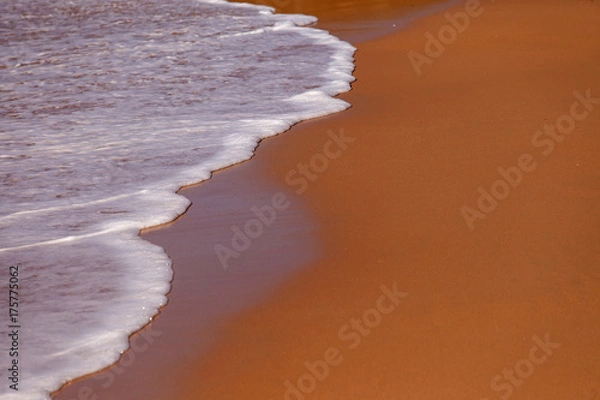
<point x="396" y="273"/>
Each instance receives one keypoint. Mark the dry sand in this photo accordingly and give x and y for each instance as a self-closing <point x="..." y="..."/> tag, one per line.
<point x="507" y="309"/>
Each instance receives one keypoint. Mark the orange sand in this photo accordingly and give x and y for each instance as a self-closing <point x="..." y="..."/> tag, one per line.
<point x="388" y="211"/>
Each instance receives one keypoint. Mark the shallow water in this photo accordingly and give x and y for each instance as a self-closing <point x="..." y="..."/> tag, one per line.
<point x="107" y="109"/>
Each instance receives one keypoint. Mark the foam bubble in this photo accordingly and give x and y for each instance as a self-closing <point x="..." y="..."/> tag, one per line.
<point x="109" y="109"/>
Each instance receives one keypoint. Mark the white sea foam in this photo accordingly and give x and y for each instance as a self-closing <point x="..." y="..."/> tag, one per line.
<point x="107" y="109"/>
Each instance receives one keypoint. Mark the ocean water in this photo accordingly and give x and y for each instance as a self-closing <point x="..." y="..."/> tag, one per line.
<point x="107" y="108"/>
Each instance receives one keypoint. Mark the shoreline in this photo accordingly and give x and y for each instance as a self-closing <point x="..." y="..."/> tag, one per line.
<point x="389" y="215"/>
<point x="100" y="384"/>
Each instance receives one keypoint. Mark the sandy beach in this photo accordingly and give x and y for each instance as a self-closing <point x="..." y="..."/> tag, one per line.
<point x="438" y="240"/>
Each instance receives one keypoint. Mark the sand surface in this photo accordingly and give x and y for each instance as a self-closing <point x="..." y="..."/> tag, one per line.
<point x="506" y="305"/>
